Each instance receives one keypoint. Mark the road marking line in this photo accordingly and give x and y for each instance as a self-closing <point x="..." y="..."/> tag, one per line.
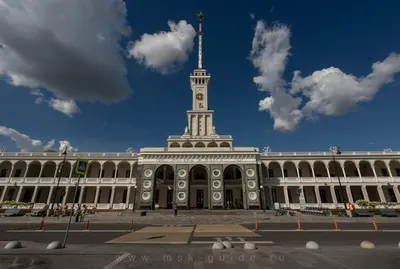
<point x="116" y="261"/>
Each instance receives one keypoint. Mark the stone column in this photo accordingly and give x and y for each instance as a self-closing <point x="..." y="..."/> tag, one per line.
<point x="96" y="196"/>
<point x="33" y="199"/>
<point x="389" y="171"/>
<point x="349" y="195"/>
<point x="128" y="194"/>
<point x="333" y="194"/>
<point x="396" y="192"/>
<point x="381" y="194"/>
<point x="359" y="172"/>
<point x="19" y="194"/>
<point x="64" y="201"/>
<point x="112" y="197"/>
<point x="285" y="192"/>
<point x="327" y="170"/>
<point x="3" y="194"/>
<point x="49" y="196"/>
<point x="365" y="193"/>
<point x="71" y="172"/>
<point x="12" y="170"/>
<point x="270" y="196"/>
<point x="41" y="170"/>
<point x="373" y="170"/>
<point x="344" y="172"/>
<point x="318" y="195"/>
<point x="297" y="170"/>
<point x="313" y="172"/>
<point x="81" y="195"/>
<point x="26" y="170"/>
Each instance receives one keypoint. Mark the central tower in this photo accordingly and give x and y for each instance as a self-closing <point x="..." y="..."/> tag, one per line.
<point x="200" y="118"/>
<point x="200" y="131"/>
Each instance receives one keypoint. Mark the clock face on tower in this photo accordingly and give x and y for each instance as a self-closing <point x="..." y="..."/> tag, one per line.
<point x="199" y="96"/>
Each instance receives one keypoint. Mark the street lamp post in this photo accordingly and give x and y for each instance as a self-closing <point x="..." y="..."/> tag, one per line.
<point x="60" y="170"/>
<point x="134" y="198"/>
<point x="336" y="150"/>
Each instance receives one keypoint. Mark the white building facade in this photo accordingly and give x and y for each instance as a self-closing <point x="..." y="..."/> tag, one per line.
<point x="200" y="169"/>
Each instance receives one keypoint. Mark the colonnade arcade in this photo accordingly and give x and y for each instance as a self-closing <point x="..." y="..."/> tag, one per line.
<point x="345" y="168"/>
<point x="199" y="189"/>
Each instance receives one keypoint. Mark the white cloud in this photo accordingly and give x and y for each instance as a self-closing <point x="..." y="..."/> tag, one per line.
<point x="66" y="47"/>
<point x="27" y="144"/>
<point x="252" y="16"/>
<point x="68" y="107"/>
<point x="327" y="92"/>
<point x="67" y="144"/>
<point x="165" y="52"/>
<point x="332" y="92"/>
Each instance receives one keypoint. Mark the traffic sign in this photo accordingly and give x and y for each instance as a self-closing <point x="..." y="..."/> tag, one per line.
<point x="82" y="167"/>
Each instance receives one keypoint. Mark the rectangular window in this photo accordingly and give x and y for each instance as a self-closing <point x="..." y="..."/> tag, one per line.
<point x="285" y="172"/>
<point x="113" y="174"/>
<point x="271" y="173"/>
<point x="127" y="173"/>
<point x="384" y="172"/>
<point x="17" y="173"/>
<point x="398" y="172"/>
<point x="3" y="173"/>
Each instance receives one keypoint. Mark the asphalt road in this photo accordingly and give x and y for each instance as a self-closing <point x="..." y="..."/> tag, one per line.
<point x="261" y="226"/>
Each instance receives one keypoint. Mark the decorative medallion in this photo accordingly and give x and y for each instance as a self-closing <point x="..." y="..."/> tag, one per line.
<point x="252" y="196"/>
<point x="181" y="196"/>
<point x="181" y="184"/>
<point x="182" y="172"/>
<point x="147" y="184"/>
<point x="251" y="184"/>
<point x="146" y="195"/>
<point x="216" y="172"/>
<point x="250" y="172"/>
<point x="148" y="173"/>
<point x="217" y="184"/>
<point x="217" y="196"/>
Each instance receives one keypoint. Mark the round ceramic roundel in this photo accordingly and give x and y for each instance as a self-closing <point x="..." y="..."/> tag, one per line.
<point x="146" y="184"/>
<point x="182" y="172"/>
<point x="252" y="195"/>
<point x="250" y="172"/>
<point x="216" y="184"/>
<point x="181" y="184"/>
<point x="216" y="172"/>
<point x="148" y="172"/>
<point x="181" y="196"/>
<point x="217" y="196"/>
<point x="251" y="184"/>
<point x="146" y="195"/>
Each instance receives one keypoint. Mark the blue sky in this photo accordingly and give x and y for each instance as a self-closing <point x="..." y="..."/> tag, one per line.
<point x="348" y="35"/>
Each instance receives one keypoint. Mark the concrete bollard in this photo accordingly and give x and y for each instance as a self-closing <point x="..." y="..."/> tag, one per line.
<point x="312" y="245"/>
<point x="13" y="244"/>
<point x="367" y="244"/>
<point x="218" y="245"/>
<point x="249" y="246"/>
<point x="54" y="245"/>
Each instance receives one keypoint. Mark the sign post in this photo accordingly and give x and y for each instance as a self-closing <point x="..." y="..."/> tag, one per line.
<point x="302" y="198"/>
<point x="81" y="169"/>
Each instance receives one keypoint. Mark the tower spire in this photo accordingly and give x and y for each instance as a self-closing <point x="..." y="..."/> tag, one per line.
<point x="200" y="18"/>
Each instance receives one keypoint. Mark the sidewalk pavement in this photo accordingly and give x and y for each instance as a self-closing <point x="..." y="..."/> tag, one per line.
<point x="161" y="219"/>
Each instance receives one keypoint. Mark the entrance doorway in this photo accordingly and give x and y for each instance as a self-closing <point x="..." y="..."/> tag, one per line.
<point x="170" y="195"/>
<point x="199" y="199"/>
<point x="229" y="199"/>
